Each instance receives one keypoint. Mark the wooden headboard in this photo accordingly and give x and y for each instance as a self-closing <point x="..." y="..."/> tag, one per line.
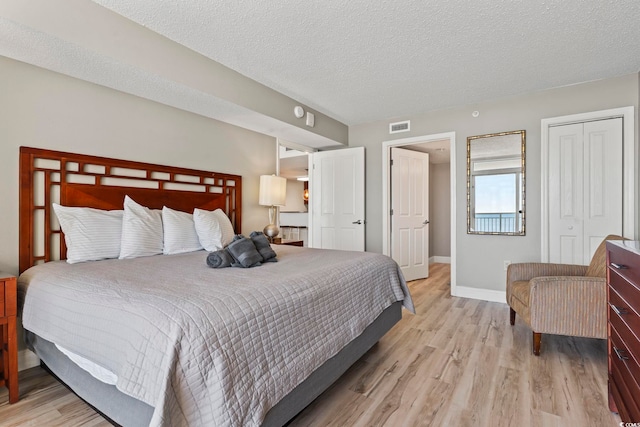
<point x="48" y="177"/>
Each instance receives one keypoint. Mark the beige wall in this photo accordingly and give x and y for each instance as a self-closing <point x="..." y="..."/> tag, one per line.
<point x="42" y="109"/>
<point x="439" y="210"/>
<point x="480" y="258"/>
<point x="294" y="202"/>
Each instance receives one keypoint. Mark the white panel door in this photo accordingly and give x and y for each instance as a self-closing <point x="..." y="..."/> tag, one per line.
<point x="585" y="188"/>
<point x="410" y="212"/>
<point x="602" y="182"/>
<point x="336" y="195"/>
<point x="566" y="193"/>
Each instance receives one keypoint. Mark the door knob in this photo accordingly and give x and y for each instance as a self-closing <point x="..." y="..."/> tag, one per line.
<point x="357" y="222"/>
<point x="426" y="221"/>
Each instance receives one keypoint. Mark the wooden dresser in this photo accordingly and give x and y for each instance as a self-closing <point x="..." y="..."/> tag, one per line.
<point x="623" y="294"/>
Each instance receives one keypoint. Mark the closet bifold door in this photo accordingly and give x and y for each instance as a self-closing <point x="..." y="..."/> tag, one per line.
<point x="585" y="188"/>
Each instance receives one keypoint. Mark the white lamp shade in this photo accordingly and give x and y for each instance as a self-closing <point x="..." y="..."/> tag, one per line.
<point x="273" y="190"/>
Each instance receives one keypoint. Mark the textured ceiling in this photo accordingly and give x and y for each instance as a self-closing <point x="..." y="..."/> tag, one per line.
<point x="359" y="61"/>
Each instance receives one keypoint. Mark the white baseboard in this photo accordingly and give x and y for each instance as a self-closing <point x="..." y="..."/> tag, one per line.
<point x="27" y="359"/>
<point x="483" y="294"/>
<point x="440" y="259"/>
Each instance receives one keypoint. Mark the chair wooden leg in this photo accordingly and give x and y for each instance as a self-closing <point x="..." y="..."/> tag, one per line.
<point x="537" y="338"/>
<point x="512" y="316"/>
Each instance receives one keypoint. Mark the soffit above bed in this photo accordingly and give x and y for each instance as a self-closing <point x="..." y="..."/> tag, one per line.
<point x="81" y="39"/>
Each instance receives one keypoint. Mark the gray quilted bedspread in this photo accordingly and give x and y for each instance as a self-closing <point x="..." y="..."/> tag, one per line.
<point x="204" y="346"/>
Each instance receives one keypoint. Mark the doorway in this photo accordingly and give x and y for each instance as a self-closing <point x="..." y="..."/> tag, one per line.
<point x="438" y="145"/>
<point x="332" y="213"/>
<point x="293" y="218"/>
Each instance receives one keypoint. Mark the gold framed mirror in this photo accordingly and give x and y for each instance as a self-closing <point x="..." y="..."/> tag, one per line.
<point x="496" y="183"/>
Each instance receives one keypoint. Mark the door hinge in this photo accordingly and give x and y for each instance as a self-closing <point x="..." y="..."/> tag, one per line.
<point x="391" y="163"/>
<point x="391" y="212"/>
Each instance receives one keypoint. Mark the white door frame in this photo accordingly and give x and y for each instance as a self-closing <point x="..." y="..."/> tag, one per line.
<point x="386" y="191"/>
<point x="628" y="179"/>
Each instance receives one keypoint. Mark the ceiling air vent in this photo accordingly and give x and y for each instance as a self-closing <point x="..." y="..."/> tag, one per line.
<point x="400" y="127"/>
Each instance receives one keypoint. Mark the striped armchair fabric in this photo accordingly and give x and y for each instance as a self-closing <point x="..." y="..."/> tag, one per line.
<point x="561" y="299"/>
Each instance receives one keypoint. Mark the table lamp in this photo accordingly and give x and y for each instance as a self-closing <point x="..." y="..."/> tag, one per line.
<point x="273" y="192"/>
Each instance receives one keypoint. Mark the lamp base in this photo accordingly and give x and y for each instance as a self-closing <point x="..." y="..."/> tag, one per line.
<point x="271" y="231"/>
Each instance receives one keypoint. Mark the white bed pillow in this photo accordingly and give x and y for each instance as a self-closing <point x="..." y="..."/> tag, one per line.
<point x="214" y="229"/>
<point x="90" y="234"/>
<point x="179" y="232"/>
<point x="141" y="230"/>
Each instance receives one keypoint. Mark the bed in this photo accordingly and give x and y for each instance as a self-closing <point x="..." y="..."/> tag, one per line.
<point x="166" y="340"/>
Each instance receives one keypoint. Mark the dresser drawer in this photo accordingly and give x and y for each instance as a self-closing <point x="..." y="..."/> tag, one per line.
<point x="621" y="331"/>
<point x="614" y="393"/>
<point x="624" y="372"/>
<point x="629" y="292"/>
<point x="2" y="314"/>
<point x="627" y="408"/>
<point x="624" y="263"/>
<point x="622" y="312"/>
<point x="8" y="303"/>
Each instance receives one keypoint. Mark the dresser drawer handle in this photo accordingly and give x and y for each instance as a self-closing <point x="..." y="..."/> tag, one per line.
<point x="619" y="266"/>
<point x="619" y="310"/>
<point x="620" y="354"/>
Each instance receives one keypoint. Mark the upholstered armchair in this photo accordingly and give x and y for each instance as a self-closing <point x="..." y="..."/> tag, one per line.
<point x="560" y="299"/>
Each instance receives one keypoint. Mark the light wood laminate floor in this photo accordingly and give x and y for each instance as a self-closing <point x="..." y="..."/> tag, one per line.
<point x="457" y="362"/>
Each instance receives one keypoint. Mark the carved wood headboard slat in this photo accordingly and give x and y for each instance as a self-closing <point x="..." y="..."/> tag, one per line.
<point x="71" y="179"/>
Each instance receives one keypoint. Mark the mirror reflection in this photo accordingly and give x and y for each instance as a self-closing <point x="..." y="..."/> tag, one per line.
<point x="496" y="183"/>
<point x="293" y="219"/>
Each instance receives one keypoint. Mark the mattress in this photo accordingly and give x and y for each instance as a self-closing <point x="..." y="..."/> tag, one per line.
<point x="96" y="371"/>
<point x="204" y="346"/>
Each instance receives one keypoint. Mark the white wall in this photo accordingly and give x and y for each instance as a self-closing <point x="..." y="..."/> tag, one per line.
<point x="439" y="210"/>
<point x="42" y="109"/>
<point x="480" y="258"/>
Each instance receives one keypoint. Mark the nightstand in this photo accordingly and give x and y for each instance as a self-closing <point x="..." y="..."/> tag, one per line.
<point x="290" y="242"/>
<point x="8" y="339"/>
